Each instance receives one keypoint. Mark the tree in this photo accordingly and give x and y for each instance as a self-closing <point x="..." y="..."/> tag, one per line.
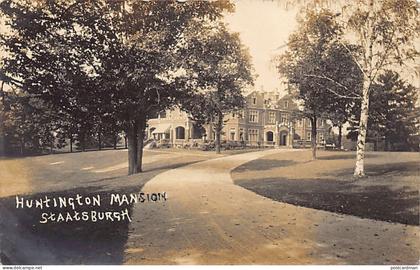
<point x="220" y="76"/>
<point x="105" y="57"/>
<point x="385" y="31"/>
<point x="393" y="115"/>
<point x="321" y="72"/>
<point x="347" y="81"/>
<point x="28" y="125"/>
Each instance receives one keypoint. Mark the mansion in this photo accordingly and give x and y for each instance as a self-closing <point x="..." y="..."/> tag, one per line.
<point x="266" y="120"/>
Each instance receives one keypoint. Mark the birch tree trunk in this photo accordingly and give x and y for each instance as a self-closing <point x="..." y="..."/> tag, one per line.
<point x="359" y="170"/>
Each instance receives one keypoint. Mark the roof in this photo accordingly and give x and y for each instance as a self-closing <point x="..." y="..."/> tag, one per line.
<point x="162" y="128"/>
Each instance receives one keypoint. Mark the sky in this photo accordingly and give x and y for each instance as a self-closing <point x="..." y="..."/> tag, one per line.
<point x="264" y="26"/>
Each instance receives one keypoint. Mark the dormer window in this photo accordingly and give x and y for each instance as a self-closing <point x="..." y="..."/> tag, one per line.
<point x="254" y="100"/>
<point x="286" y="104"/>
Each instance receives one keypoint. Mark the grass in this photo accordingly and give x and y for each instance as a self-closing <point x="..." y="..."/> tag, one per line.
<point x="390" y="192"/>
<point x="25" y="241"/>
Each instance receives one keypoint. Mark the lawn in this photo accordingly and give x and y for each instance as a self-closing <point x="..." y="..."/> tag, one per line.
<point x="25" y="241"/>
<point x="390" y="192"/>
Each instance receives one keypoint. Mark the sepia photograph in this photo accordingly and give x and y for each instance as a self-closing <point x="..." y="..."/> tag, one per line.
<point x="210" y="132"/>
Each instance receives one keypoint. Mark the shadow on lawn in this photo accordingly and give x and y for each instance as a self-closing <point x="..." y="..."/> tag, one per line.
<point x="264" y="164"/>
<point x="377" y="170"/>
<point x="378" y="196"/>
<point x="375" y="202"/>
<point x="345" y="156"/>
<point x="26" y="241"/>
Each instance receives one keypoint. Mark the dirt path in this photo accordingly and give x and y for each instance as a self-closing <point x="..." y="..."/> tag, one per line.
<point x="209" y="220"/>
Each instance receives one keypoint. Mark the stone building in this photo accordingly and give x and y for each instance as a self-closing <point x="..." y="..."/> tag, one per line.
<point x="266" y="120"/>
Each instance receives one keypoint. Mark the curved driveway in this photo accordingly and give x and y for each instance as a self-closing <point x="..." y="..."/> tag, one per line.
<point x="209" y="220"/>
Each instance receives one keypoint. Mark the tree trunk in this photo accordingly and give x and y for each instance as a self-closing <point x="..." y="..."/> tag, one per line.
<point x="71" y="144"/>
<point x="135" y="136"/>
<point x="359" y="169"/>
<point x="99" y="138"/>
<point x="340" y="136"/>
<point x="140" y="143"/>
<point x="52" y="146"/>
<point x="313" y="137"/>
<point x="125" y="142"/>
<point x="115" y="141"/>
<point x="2" y="125"/>
<point x="22" y="146"/>
<point x="218" y="130"/>
<point x="386" y="144"/>
<point x="82" y="142"/>
<point x="132" y="149"/>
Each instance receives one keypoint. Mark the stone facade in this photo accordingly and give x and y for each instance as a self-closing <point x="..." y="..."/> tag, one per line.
<point x="266" y="120"/>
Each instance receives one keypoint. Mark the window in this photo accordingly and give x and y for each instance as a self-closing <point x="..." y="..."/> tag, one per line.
<point x="253" y="116"/>
<point x="241" y="134"/>
<point x="270" y="136"/>
<point x="322" y="122"/>
<point x="308" y="136"/>
<point x="300" y="123"/>
<point x="254" y="100"/>
<point x="286" y="104"/>
<point x="238" y="114"/>
<point x="253" y="135"/>
<point x="180" y="133"/>
<point x="284" y="118"/>
<point x="232" y="134"/>
<point x="321" y="137"/>
<point x="271" y="117"/>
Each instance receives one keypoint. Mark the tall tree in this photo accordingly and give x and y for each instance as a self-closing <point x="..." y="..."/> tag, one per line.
<point x="385" y="31"/>
<point x="221" y="75"/>
<point x="393" y="114"/>
<point x="321" y="72"/>
<point x="119" y="56"/>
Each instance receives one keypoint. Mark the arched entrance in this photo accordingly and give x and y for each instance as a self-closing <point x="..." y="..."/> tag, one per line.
<point x="283" y="137"/>
<point x="270" y="136"/>
<point x="180" y="133"/>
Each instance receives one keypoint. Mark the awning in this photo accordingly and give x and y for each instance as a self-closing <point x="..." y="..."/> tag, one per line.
<point x="162" y="128"/>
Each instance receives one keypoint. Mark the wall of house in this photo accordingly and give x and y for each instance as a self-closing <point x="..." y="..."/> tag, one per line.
<point x="266" y="120"/>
